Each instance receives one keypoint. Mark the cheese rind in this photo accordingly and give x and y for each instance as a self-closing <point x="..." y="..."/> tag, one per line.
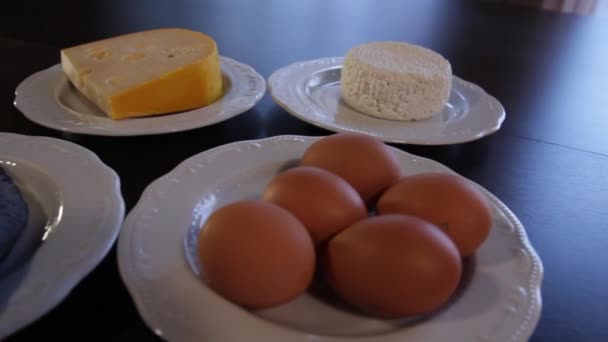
<point x="396" y="81"/>
<point x="146" y="73"/>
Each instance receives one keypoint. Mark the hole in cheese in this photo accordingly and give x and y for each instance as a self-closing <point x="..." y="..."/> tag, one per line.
<point x="95" y="48"/>
<point x="85" y="71"/>
<point x="133" y="56"/>
<point x="112" y="81"/>
<point x="100" y="54"/>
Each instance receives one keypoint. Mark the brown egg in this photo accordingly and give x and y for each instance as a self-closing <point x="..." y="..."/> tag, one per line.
<point x="256" y="254"/>
<point x="393" y="265"/>
<point x="322" y="201"/>
<point x="451" y="202"/>
<point x="363" y="161"/>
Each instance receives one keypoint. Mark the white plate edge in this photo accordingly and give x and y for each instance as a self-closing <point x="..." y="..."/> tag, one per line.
<point x="85" y="265"/>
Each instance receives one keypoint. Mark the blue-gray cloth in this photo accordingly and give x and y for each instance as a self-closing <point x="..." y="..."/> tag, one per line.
<point x="13" y="214"/>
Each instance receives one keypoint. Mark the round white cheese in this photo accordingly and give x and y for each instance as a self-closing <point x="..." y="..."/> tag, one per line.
<point x="396" y="81"/>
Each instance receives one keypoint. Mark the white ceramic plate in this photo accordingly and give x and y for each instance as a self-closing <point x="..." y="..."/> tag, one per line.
<point x="500" y="302"/>
<point x="311" y="92"/>
<point x="49" y="99"/>
<point x="75" y="213"/>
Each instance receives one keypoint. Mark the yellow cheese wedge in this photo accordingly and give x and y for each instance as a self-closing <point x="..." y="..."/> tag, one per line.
<point x="146" y="73"/>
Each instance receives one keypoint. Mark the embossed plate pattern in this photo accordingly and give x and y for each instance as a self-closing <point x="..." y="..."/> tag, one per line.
<point x="310" y="91"/>
<point x="500" y="303"/>
<point x="81" y="212"/>
<point x="48" y="98"/>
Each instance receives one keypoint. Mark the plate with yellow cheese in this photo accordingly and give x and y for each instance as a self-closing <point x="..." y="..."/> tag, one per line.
<point x="150" y="82"/>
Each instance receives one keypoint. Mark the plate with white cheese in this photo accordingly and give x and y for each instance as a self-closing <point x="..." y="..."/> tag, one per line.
<point x="150" y="82"/>
<point x="311" y="91"/>
<point x="74" y="211"/>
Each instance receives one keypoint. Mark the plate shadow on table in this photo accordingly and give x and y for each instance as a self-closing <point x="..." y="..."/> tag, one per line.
<point x="285" y="123"/>
<point x="464" y="158"/>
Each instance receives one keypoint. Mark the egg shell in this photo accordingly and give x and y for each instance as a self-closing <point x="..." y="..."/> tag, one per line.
<point x="322" y="201"/>
<point x="364" y="162"/>
<point x="393" y="266"/>
<point x="449" y="201"/>
<point x="256" y="254"/>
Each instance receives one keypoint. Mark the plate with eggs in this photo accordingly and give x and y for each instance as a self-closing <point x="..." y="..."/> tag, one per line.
<point x="150" y="82"/>
<point x="335" y="238"/>
<point x="394" y="91"/>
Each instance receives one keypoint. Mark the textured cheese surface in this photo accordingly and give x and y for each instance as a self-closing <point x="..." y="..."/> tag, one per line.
<point x="146" y="73"/>
<point x="396" y="81"/>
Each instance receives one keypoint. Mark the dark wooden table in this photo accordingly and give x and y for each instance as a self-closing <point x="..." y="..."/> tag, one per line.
<point x="548" y="163"/>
